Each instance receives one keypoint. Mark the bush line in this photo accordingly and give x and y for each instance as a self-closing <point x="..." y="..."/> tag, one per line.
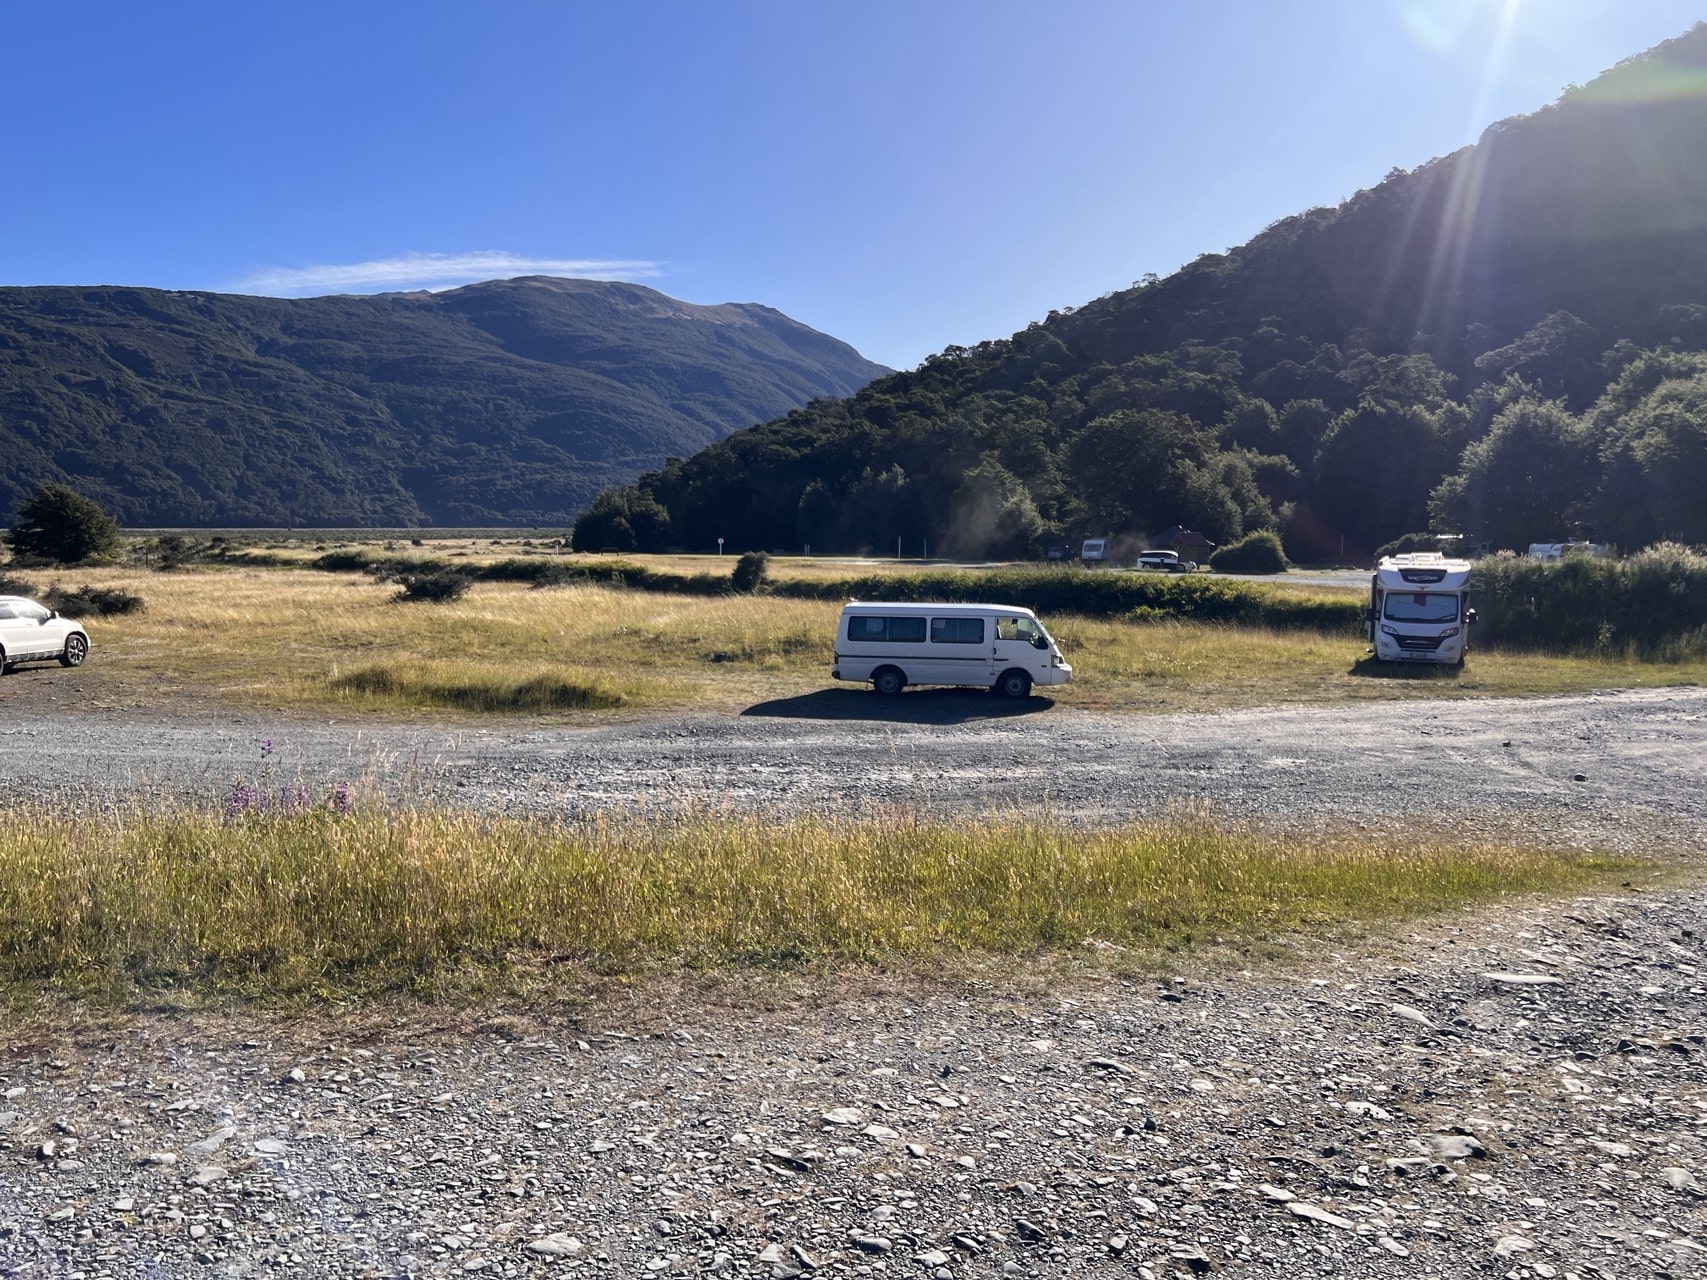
<point x="1652" y="604"/>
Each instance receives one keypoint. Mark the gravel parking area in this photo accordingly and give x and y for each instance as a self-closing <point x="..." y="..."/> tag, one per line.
<point x="1523" y="1093"/>
<point x="1562" y="760"/>
<point x="1520" y="1091"/>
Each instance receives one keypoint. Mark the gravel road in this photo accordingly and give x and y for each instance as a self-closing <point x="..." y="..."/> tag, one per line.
<point x="1520" y="1091"/>
<point x="1564" y="759"/>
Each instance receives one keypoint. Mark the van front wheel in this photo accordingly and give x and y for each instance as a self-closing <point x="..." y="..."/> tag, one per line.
<point x="1014" y="684"/>
<point x="888" y="681"/>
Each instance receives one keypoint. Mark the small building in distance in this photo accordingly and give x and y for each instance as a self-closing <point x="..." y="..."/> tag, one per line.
<point x="1190" y="544"/>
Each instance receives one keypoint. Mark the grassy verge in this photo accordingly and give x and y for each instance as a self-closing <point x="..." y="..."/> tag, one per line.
<point x="190" y="906"/>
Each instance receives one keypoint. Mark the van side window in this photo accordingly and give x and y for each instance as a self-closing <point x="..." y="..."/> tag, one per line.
<point x="957" y="631"/>
<point x="868" y="630"/>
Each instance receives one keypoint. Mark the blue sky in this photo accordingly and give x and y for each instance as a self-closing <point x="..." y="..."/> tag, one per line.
<point x="901" y="175"/>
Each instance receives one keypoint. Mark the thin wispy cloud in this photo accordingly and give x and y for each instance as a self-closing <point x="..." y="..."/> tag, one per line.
<point x="433" y="271"/>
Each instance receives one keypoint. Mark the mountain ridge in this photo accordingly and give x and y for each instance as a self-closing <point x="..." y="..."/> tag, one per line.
<point x="502" y="402"/>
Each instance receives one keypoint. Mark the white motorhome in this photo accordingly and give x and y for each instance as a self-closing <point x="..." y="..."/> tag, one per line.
<point x="998" y="646"/>
<point x="1419" y="609"/>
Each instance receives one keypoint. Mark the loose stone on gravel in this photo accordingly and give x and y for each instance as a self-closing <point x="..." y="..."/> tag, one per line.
<point x="1295" y="1122"/>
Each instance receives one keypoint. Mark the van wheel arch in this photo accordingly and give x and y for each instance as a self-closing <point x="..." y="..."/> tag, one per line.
<point x="888" y="680"/>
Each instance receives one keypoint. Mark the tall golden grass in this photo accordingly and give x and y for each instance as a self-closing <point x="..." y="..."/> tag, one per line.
<point x="385" y="900"/>
<point x="272" y="638"/>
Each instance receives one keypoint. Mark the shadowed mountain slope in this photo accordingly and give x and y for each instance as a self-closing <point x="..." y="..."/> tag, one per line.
<point x="1327" y="378"/>
<point x="513" y="401"/>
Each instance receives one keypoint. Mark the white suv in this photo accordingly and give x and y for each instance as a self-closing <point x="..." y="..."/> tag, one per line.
<point x="1168" y="561"/>
<point x="30" y="633"/>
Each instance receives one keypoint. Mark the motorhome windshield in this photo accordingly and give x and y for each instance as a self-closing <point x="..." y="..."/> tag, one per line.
<point x="1421" y="606"/>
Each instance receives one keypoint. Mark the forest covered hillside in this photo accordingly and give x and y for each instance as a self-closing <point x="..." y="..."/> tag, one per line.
<point x="1507" y="342"/>
<point x="509" y="402"/>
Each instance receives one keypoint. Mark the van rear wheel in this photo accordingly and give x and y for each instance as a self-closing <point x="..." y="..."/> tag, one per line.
<point x="888" y="681"/>
<point x="1014" y="684"/>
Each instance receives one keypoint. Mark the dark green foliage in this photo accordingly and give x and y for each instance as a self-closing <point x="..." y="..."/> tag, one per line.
<point x="624" y="573"/>
<point x="11" y="585"/>
<point x="1530" y="479"/>
<point x="433" y="586"/>
<point x="751" y="572"/>
<point x="60" y="526"/>
<point x="88" y="602"/>
<point x="1144" y="596"/>
<point x="1325" y="377"/>
<point x="1258" y="552"/>
<point x="173" y="551"/>
<point x="1410" y="542"/>
<point x="1654" y="460"/>
<point x="1375" y="468"/>
<point x="347" y="561"/>
<point x="506" y="402"/>
<point x="1654" y="603"/>
<point x="622" y="520"/>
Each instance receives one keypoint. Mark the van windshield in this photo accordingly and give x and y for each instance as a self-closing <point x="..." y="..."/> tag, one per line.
<point x="1025" y="629"/>
<point x="1421" y="606"/>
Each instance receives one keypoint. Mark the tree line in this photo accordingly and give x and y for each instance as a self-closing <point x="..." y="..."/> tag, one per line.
<point x="1505" y="343"/>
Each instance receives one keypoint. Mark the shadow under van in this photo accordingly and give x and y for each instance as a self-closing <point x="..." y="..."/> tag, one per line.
<point x="916" y="706"/>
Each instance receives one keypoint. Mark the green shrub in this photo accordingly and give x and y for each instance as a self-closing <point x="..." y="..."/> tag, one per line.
<point x="1653" y="604"/>
<point x="10" y="586"/>
<point x="624" y="573"/>
<point x="1258" y="552"/>
<point x="1102" y="595"/>
<point x="532" y="569"/>
<point x="751" y="572"/>
<point x="435" y="586"/>
<point x="345" y="561"/>
<point x="88" y="602"/>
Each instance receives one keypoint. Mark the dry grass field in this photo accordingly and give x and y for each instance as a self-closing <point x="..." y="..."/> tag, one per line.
<point x="139" y="902"/>
<point x="302" y="639"/>
<point x="327" y="904"/>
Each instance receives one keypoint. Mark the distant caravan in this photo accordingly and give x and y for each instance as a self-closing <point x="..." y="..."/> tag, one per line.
<point x="997" y="646"/>
<point x="1419" y="609"/>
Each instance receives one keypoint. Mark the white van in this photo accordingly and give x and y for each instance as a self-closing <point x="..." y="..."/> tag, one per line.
<point x="998" y="646"/>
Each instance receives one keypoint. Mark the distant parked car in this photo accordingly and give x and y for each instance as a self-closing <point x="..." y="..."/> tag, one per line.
<point x="31" y="633"/>
<point x="1166" y="561"/>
